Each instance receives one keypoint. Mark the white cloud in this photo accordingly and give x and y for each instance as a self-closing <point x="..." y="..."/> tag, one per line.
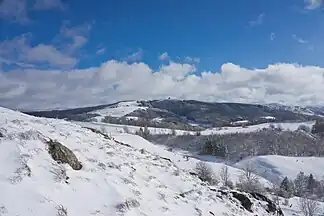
<point x="19" y="51"/>
<point x="136" y="56"/>
<point x="288" y="83"/>
<point x="258" y="21"/>
<point x="49" y="54"/>
<point x="272" y="36"/>
<point x="189" y="59"/>
<point x="101" y="51"/>
<point x="77" y="36"/>
<point x="313" y="4"/>
<point x="299" y="39"/>
<point x="62" y="53"/>
<point x="164" y="56"/>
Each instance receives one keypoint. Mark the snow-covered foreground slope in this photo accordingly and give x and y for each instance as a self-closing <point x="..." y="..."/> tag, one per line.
<point x="178" y="157"/>
<point x="116" y="177"/>
<point x="120" y="109"/>
<point x="275" y="167"/>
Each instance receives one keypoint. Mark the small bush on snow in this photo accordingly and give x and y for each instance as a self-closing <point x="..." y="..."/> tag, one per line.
<point x="128" y="204"/>
<point x="59" y="173"/>
<point x="126" y="129"/>
<point x="205" y="173"/>
<point x="304" y="127"/>
<point x="61" y="210"/>
<point x="248" y="181"/>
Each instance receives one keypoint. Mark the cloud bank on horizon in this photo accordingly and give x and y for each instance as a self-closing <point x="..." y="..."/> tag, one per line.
<point x="47" y="75"/>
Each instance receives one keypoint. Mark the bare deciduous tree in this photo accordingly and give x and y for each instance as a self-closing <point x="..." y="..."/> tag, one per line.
<point x="248" y="181"/>
<point x="126" y="129"/>
<point x="308" y="207"/>
<point x="275" y="189"/>
<point x="224" y="176"/>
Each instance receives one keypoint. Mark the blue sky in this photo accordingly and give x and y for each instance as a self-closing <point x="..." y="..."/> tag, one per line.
<point x="213" y="31"/>
<point x="79" y="35"/>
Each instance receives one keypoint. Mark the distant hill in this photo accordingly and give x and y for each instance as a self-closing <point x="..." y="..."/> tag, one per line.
<point x="186" y="114"/>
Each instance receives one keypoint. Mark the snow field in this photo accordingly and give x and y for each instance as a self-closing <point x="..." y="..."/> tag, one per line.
<point x="116" y="178"/>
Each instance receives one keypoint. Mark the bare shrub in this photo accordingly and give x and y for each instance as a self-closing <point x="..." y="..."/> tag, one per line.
<point x="248" y="181"/>
<point x="286" y="202"/>
<point x="145" y="133"/>
<point x="126" y="129"/>
<point x="127" y="205"/>
<point x="173" y="132"/>
<point x="176" y="172"/>
<point x="103" y="130"/>
<point x="59" y="173"/>
<point x="225" y="176"/>
<point x="61" y="210"/>
<point x="275" y="189"/>
<point x="304" y="127"/>
<point x="22" y="171"/>
<point x="308" y="207"/>
<point x="205" y="173"/>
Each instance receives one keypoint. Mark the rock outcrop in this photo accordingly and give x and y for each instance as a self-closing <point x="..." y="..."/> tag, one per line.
<point x="63" y="154"/>
<point x="248" y="200"/>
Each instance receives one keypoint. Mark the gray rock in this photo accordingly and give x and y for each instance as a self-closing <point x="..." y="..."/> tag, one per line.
<point x="62" y="154"/>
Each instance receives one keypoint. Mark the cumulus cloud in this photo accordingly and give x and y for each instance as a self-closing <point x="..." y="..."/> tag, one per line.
<point x="19" y="51"/>
<point x="278" y="83"/>
<point x="62" y="53"/>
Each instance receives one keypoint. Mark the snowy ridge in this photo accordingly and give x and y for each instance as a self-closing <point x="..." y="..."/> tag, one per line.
<point x="295" y="109"/>
<point x="117" y="176"/>
<point x="120" y="109"/>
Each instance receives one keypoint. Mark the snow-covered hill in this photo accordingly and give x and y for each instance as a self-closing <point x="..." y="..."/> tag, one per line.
<point x="275" y="167"/>
<point x="102" y="175"/>
<point x="184" y="114"/>
<point x="118" y="110"/>
<point x="310" y="110"/>
<point x="113" y="128"/>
